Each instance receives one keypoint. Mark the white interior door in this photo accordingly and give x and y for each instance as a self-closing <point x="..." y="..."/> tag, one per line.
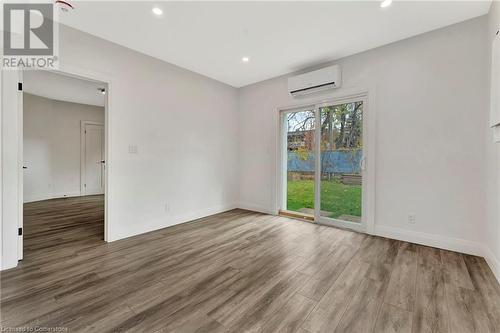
<point x="93" y="159"/>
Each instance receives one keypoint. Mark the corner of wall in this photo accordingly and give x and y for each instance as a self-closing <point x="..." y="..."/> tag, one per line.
<point x="433" y="240"/>
<point x="492" y="151"/>
<point x="256" y="208"/>
<point x="492" y="261"/>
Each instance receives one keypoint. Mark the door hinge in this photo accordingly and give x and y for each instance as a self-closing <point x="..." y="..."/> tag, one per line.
<point x="20" y="86"/>
<point x="20" y="231"/>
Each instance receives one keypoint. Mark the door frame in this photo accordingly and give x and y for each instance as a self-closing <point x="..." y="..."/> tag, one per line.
<point x="20" y="163"/>
<point x="369" y="135"/>
<point x="83" y="146"/>
<point x="11" y="239"/>
<point x="88" y="75"/>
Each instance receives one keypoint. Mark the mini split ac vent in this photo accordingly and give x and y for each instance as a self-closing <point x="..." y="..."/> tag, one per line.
<point x="315" y="81"/>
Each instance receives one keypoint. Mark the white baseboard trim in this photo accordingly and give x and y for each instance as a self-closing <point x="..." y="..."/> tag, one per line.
<point x="45" y="196"/>
<point x="445" y="243"/>
<point x="422" y="238"/>
<point x="438" y="241"/>
<point x="8" y="265"/>
<point x="492" y="261"/>
<point x="256" y="208"/>
<point x="171" y="221"/>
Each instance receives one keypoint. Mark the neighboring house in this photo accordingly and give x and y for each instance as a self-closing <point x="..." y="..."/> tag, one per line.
<point x="300" y="139"/>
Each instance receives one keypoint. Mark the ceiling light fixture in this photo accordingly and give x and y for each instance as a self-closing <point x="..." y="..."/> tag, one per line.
<point x="157" y="11"/>
<point x="385" y="3"/>
<point x="245" y="59"/>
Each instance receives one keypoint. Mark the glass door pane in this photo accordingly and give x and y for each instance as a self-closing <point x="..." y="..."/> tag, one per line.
<point x="341" y="149"/>
<point x="299" y="145"/>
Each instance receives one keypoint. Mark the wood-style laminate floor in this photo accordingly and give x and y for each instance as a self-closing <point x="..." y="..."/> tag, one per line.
<point x="237" y="271"/>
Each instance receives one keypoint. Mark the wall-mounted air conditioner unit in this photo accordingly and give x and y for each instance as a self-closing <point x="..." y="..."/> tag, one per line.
<point x="316" y="81"/>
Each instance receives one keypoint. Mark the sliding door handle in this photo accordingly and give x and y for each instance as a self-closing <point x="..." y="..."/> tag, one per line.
<point x="362" y="164"/>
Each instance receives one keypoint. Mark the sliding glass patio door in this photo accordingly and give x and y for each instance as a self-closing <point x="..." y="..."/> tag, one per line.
<point x="341" y="164"/>
<point x="299" y="161"/>
<point x="323" y="162"/>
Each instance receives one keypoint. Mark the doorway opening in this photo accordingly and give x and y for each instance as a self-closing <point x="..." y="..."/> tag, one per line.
<point x="323" y="162"/>
<point x="64" y="162"/>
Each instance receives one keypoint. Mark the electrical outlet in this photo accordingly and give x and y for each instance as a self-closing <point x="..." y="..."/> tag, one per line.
<point x="412" y="218"/>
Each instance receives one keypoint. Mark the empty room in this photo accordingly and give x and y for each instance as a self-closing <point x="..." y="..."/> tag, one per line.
<point x="242" y="166"/>
<point x="63" y="162"/>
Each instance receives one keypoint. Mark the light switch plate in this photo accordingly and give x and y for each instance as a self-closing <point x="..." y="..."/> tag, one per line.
<point x="132" y="149"/>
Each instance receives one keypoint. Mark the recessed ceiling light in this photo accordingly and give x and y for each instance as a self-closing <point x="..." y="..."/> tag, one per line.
<point x="157" y="11"/>
<point x="245" y="59"/>
<point x="385" y="3"/>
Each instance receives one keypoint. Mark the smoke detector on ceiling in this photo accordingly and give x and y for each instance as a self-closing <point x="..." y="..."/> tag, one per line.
<point x="64" y="5"/>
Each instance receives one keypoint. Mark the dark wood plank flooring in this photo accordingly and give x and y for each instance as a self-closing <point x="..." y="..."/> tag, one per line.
<point x="237" y="271"/>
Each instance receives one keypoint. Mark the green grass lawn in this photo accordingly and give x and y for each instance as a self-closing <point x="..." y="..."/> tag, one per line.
<point x="337" y="198"/>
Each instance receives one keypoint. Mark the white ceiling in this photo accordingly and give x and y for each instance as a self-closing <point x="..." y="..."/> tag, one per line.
<point x="210" y="38"/>
<point x="63" y="88"/>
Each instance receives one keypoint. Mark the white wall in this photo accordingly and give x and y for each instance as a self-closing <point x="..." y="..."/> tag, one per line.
<point x="1" y="170"/>
<point x="200" y="140"/>
<point x="430" y="103"/>
<point x="184" y="125"/>
<point x="492" y="229"/>
<point x="52" y="146"/>
<point x="185" y="128"/>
